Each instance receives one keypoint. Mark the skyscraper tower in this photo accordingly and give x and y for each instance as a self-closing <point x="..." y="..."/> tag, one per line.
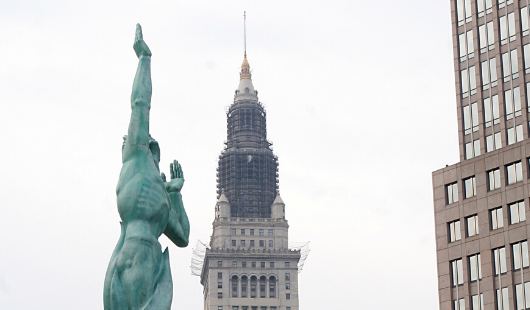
<point x="248" y="264"/>
<point x="480" y="203"/>
<point x="248" y="170"/>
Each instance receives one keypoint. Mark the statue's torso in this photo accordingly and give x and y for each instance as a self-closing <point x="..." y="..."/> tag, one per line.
<point x="141" y="194"/>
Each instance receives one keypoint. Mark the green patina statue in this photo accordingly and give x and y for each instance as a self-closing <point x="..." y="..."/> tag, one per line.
<point x="138" y="275"/>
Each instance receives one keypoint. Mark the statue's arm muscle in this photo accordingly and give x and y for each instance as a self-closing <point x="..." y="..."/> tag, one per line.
<point x="178" y="226"/>
<point x="138" y="133"/>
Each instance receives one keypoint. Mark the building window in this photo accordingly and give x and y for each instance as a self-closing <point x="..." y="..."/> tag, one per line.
<point x="517" y="213"/>
<point x="262" y="264"/>
<point x="514" y="173"/>
<point x="234" y="263"/>
<point x="491" y="111"/>
<point x="520" y="255"/>
<point x="512" y="100"/>
<point x="253" y="264"/>
<point x="233" y="231"/>
<point x="271" y="232"/>
<point x="466" y="45"/>
<point x="526" y="53"/>
<point x="493" y="142"/>
<point x="496" y="218"/>
<point x="234" y="286"/>
<point x="452" y="193"/>
<point x="219" y="284"/>
<point x="272" y="264"/>
<point x="244" y="307"/>
<point x="219" y="275"/>
<point x="510" y="68"/>
<point x="287" y="308"/>
<point x="494" y="179"/>
<point x="459" y="304"/>
<point x="242" y="232"/>
<point x="475" y="302"/>
<point x="499" y="260"/>
<point x="287" y="276"/>
<point x="233" y="243"/>
<point x="475" y="270"/>
<point x="470" y="188"/>
<point x="515" y="134"/>
<point x="262" y="243"/>
<point x="503" y="303"/>
<point x="457" y="271"/>
<point x="489" y="73"/>
<point x="472" y="149"/>
<point x="243" y="264"/>
<point x="287" y="296"/>
<point x="472" y="225"/>
<point x="286" y="264"/>
<point x="235" y="307"/>
<point x="468" y="81"/>
<point x="219" y="263"/>
<point x="524" y="21"/>
<point x="454" y="231"/>
<point x="463" y="11"/>
<point x="254" y="308"/>
<point x="481" y="4"/>
<point x="220" y="295"/>
<point x="287" y="286"/>
<point x="486" y="37"/>
<point x="273" y="308"/>
<point x="522" y="300"/>
<point x="471" y="118"/>
<point x="219" y="307"/>
<point x="507" y="27"/>
<point x="252" y="232"/>
<point x="270" y="244"/>
<point x="242" y="242"/>
<point x="251" y="243"/>
<point x="261" y="232"/>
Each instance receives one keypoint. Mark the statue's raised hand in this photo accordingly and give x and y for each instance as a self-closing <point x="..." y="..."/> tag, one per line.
<point x="177" y="177"/>
<point x="139" y="45"/>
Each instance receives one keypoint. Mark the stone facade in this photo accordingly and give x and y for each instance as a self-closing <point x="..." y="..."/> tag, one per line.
<point x="481" y="203"/>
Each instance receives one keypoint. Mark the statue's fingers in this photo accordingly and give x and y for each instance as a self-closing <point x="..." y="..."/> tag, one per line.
<point x="176" y="167"/>
<point x="139" y="35"/>
<point x="171" y="171"/>
<point x="181" y="172"/>
<point x="163" y="177"/>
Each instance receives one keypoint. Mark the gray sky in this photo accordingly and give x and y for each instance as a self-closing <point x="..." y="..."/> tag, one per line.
<point x="361" y="109"/>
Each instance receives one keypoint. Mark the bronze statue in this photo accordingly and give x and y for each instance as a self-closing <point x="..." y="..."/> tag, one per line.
<point x="138" y="275"/>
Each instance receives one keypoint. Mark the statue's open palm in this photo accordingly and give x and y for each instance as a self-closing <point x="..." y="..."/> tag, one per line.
<point x="177" y="177"/>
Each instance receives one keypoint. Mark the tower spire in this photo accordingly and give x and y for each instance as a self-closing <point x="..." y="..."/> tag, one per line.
<point x="245" y="31"/>
<point x="245" y="68"/>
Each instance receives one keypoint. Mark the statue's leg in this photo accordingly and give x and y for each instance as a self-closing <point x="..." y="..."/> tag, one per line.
<point x="164" y="287"/>
<point x="111" y="270"/>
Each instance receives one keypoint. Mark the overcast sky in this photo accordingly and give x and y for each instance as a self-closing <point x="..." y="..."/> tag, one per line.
<point x="360" y="102"/>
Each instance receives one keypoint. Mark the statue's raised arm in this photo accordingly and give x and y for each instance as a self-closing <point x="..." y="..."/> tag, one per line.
<point x="138" y="133"/>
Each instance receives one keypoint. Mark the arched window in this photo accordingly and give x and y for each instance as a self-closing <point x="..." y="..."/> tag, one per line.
<point x="247" y="90"/>
<point x="234" y="286"/>
<point x="253" y="283"/>
<point x="262" y="285"/>
<point x="244" y="282"/>
<point x="272" y="287"/>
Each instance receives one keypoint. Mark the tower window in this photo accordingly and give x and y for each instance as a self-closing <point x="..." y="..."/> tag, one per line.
<point x="246" y="90"/>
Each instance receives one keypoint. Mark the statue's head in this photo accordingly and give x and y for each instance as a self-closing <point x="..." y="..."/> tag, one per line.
<point x="153" y="147"/>
<point x="155" y="151"/>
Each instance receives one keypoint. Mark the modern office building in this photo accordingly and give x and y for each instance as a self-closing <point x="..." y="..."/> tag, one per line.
<point x="481" y="202"/>
<point x="248" y="264"/>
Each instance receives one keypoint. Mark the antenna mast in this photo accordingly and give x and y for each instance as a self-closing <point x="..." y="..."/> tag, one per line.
<point x="245" y="30"/>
